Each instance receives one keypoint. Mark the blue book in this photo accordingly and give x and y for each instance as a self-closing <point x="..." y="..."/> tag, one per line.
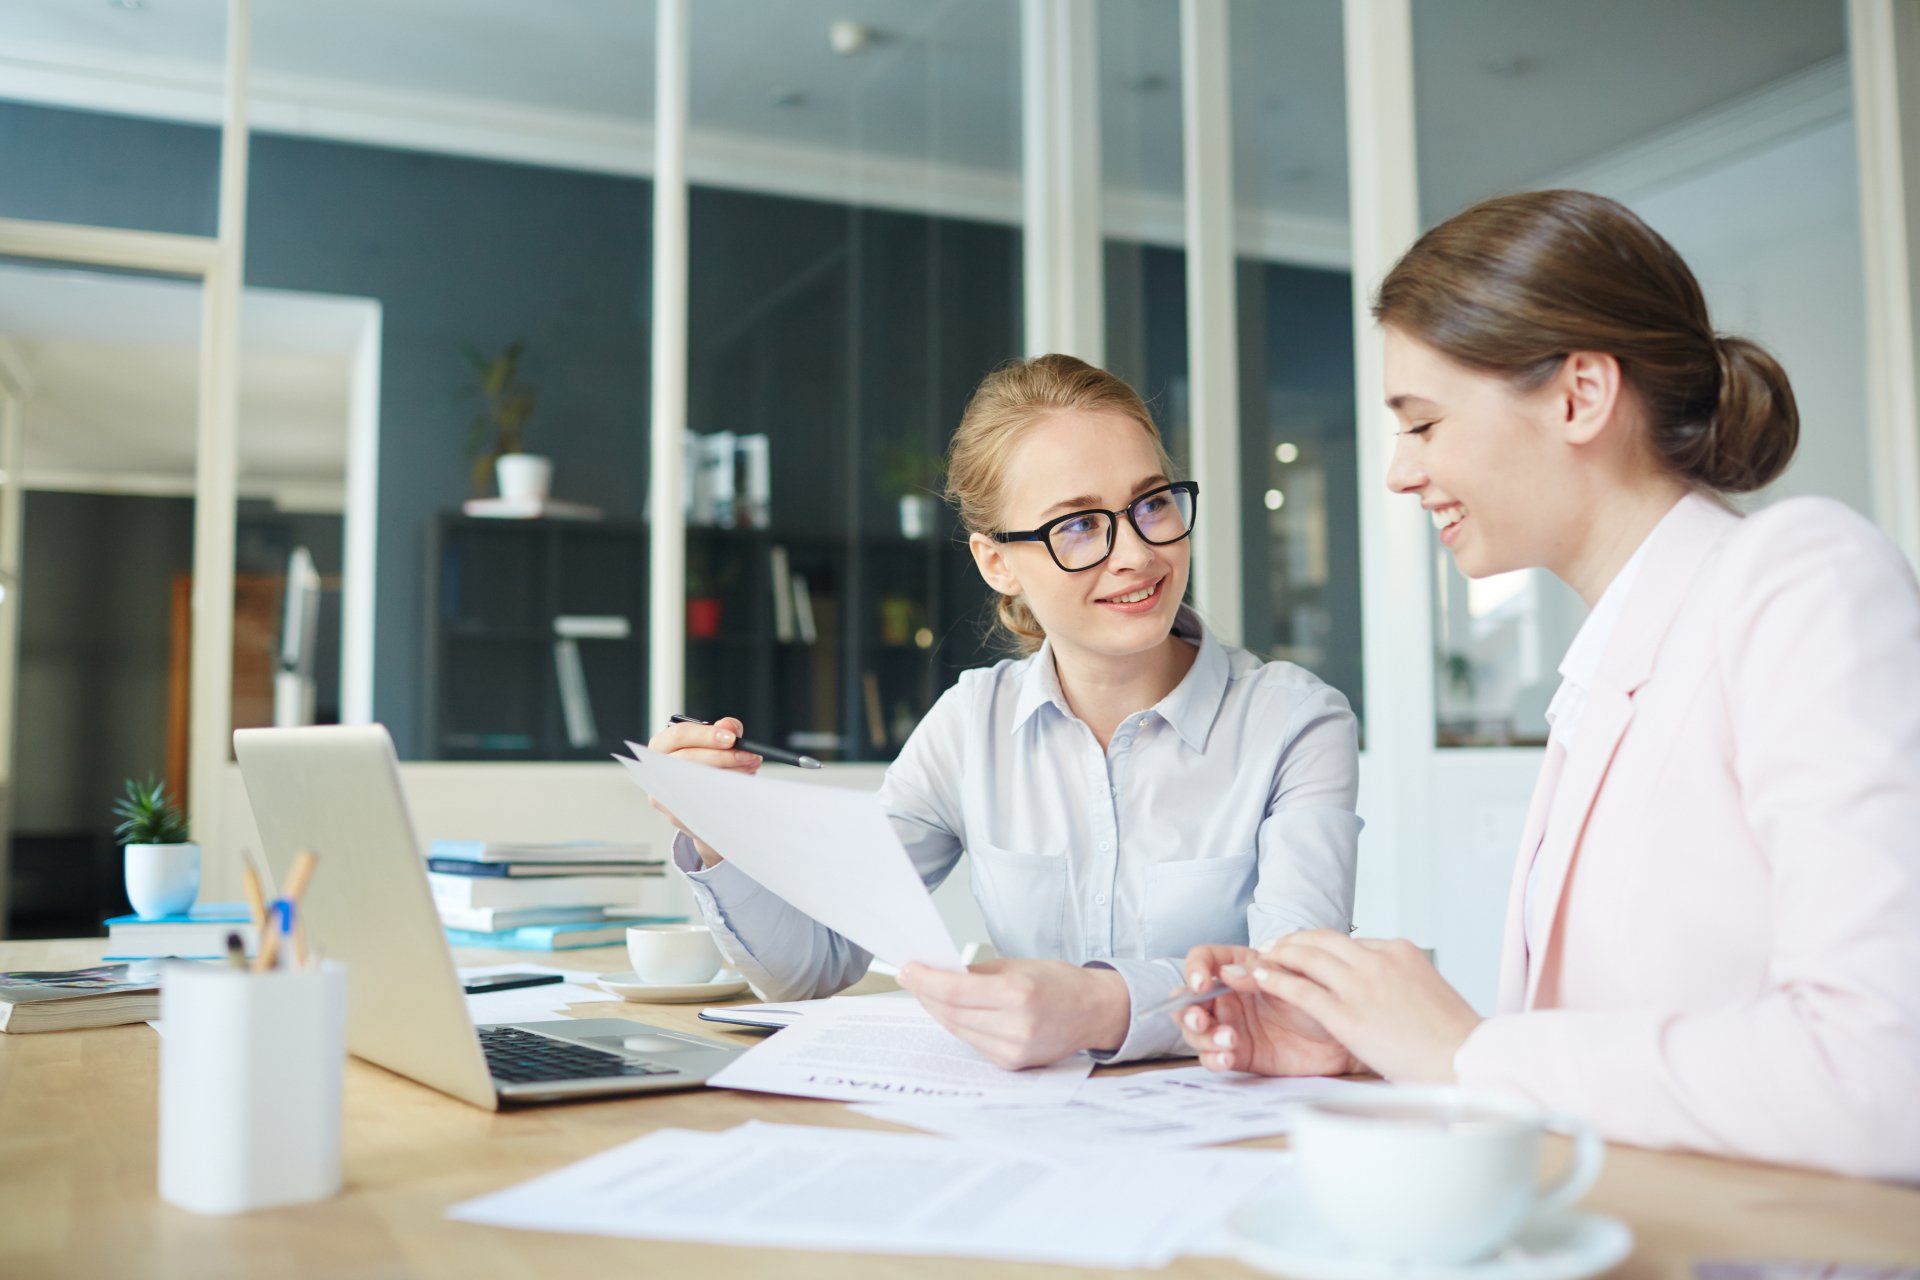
<point x="556" y="937"/>
<point x="199" y="933"/>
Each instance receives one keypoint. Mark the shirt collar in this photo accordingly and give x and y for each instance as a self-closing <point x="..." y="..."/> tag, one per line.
<point x="1582" y="662"/>
<point x="1190" y="708"/>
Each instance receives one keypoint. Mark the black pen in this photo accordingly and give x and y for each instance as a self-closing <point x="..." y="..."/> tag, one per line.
<point x="774" y="754"/>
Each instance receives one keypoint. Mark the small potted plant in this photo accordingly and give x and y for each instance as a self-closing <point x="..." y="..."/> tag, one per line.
<point x="706" y="596"/>
<point x="163" y="866"/>
<point x="497" y="432"/>
<point x="913" y="474"/>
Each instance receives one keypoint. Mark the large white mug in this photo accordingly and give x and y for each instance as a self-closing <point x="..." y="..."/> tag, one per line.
<point x="1436" y="1175"/>
<point x="672" y="954"/>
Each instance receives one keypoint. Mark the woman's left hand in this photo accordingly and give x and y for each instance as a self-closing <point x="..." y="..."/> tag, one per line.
<point x="1025" y="1013"/>
<point x="1383" y="1000"/>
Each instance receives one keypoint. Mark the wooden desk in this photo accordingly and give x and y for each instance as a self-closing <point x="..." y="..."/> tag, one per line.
<point x="78" y="1160"/>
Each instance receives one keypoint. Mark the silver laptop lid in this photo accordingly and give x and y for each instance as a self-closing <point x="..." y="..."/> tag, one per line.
<point x="336" y="790"/>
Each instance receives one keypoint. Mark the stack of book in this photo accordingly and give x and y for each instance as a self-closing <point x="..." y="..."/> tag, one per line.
<point x="547" y="897"/>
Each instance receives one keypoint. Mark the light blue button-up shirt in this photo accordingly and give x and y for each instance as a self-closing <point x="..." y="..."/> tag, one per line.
<point x="1224" y="813"/>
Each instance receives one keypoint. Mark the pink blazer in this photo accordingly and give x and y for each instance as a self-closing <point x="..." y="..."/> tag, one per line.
<point x="1734" y="960"/>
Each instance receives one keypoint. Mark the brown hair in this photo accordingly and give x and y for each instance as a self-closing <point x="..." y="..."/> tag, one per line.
<point x="1012" y="398"/>
<point x="1511" y="285"/>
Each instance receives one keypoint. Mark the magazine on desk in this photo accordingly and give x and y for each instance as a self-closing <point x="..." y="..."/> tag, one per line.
<point x="67" y="999"/>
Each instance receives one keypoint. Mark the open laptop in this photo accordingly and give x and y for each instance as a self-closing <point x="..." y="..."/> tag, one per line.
<point x="336" y="790"/>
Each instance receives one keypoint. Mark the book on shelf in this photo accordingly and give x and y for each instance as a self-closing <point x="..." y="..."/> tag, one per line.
<point x="576" y="710"/>
<point x="547" y="851"/>
<point x="69" y="999"/>
<point x="494" y="919"/>
<point x="782" y="572"/>
<point x="756" y="476"/>
<point x="803" y="628"/>
<point x="530" y="509"/>
<point x="607" y="931"/>
<point x="198" y="934"/>
<point x="627" y="892"/>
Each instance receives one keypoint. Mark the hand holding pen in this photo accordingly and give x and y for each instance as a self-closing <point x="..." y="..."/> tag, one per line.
<point x="719" y="746"/>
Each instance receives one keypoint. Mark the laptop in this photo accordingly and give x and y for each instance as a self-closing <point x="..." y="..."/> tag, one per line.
<point x="336" y="790"/>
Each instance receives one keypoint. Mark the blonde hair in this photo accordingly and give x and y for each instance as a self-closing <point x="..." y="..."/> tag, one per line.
<point x="1009" y="400"/>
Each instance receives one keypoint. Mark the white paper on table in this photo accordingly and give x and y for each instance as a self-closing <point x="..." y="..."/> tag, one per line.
<point x="828" y="851"/>
<point x="793" y="1186"/>
<point x="529" y="1004"/>
<point x="1183" y="1107"/>
<point x="858" y="1049"/>
<point x="787" y="1012"/>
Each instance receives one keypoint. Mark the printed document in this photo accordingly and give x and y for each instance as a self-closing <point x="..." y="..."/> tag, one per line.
<point x="827" y="850"/>
<point x="1182" y="1107"/>
<point x="798" y="1187"/>
<point x="859" y="1048"/>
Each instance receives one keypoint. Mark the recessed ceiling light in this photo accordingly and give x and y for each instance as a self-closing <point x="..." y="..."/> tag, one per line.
<point x="1275" y="499"/>
<point x="847" y="37"/>
<point x="1286" y="452"/>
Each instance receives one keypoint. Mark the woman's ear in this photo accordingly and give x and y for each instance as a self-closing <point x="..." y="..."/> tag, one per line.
<point x="1588" y="393"/>
<point x="991" y="559"/>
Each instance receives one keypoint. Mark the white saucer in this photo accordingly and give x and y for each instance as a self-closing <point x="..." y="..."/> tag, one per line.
<point x="631" y="986"/>
<point x="1280" y="1235"/>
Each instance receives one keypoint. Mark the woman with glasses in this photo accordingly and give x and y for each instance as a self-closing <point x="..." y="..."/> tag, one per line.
<point x="1127" y="789"/>
<point x="1713" y="930"/>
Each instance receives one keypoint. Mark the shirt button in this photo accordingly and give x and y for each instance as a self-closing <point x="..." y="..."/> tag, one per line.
<point x="1100" y="899"/>
<point x="1103" y="846"/>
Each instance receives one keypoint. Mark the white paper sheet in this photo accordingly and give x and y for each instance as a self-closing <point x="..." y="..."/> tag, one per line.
<point x="784" y="1013"/>
<point x="799" y="1187"/>
<point x="1182" y="1107"/>
<point x="857" y="1049"/>
<point x="529" y="1004"/>
<point x="827" y="850"/>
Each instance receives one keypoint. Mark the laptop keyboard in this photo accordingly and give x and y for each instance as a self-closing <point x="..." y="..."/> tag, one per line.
<point x="518" y="1057"/>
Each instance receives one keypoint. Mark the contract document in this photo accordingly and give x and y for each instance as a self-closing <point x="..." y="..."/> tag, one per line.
<point x="797" y="1187"/>
<point x="829" y="851"/>
<point x="1182" y="1107"/>
<point x="859" y="1048"/>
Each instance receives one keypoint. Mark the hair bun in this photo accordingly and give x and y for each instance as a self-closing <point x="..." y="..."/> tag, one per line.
<point x="1756" y="422"/>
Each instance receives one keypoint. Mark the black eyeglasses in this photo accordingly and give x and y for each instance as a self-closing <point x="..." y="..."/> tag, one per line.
<point x="1080" y="540"/>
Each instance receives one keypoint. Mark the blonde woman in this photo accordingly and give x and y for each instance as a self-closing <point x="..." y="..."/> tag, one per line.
<point x="1128" y="788"/>
<point x="1713" y="933"/>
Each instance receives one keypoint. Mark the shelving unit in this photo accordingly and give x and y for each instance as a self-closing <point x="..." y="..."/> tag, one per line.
<point x="895" y="622"/>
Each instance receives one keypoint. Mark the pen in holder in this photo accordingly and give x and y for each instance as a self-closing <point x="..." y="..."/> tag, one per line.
<point x="250" y="1071"/>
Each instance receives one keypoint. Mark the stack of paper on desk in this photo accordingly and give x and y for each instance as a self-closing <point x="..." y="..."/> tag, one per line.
<point x="859" y="1048"/>
<point x="830" y="852"/>
<point x="1181" y="1107"/>
<point x="796" y="1187"/>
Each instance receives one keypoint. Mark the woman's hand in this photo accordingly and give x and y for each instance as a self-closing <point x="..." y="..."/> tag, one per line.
<point x="1026" y="1013"/>
<point x="1383" y="1000"/>
<point x="708" y="744"/>
<point x="1246" y="1030"/>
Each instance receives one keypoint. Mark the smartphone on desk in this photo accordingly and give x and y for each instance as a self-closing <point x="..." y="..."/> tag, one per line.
<point x="507" y="982"/>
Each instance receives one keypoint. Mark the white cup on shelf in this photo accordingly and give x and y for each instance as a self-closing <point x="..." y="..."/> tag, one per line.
<point x="250" y="1072"/>
<point x="672" y="954"/>
<point x="1433" y="1175"/>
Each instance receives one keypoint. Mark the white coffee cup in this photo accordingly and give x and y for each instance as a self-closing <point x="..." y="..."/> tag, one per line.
<point x="1435" y="1175"/>
<point x="672" y="954"/>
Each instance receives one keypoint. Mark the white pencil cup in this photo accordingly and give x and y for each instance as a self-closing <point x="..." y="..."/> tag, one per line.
<point x="250" y="1068"/>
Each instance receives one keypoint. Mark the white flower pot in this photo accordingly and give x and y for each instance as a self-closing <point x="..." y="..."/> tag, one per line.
<point x="524" y="477"/>
<point x="162" y="879"/>
<point x="916" y="515"/>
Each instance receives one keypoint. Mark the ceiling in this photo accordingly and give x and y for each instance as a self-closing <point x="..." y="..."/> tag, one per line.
<point x="1509" y="91"/>
<point x="111" y="364"/>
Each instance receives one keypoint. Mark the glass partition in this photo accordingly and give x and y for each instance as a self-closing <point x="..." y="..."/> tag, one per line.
<point x="485" y="209"/>
<point x="854" y="271"/>
<point x="1300" y="541"/>
<point x="1731" y="134"/>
